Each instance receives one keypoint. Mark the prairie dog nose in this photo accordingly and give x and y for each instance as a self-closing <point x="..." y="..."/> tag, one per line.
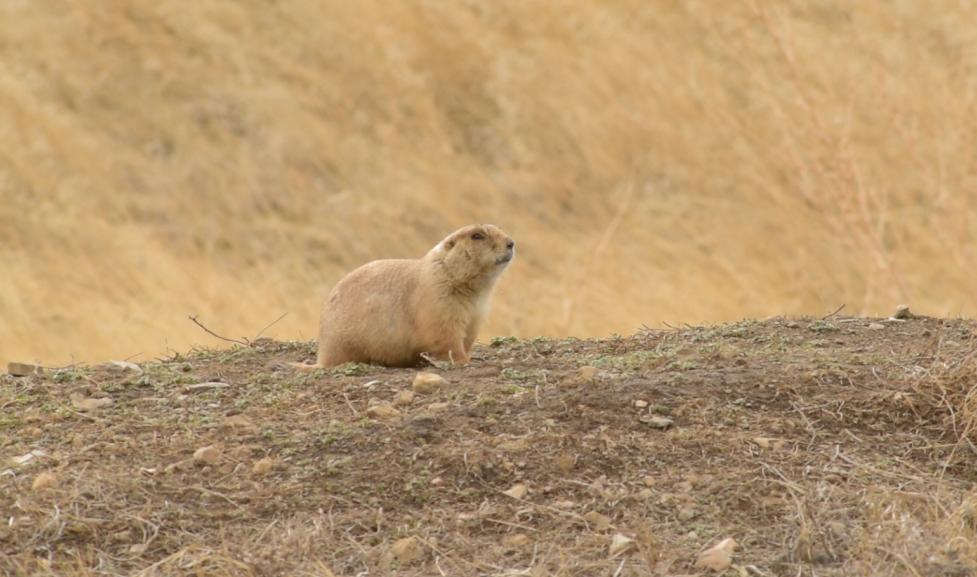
<point x="510" y="243"/>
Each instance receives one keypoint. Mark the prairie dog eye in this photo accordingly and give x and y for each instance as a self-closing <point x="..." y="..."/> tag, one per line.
<point x="478" y="236"/>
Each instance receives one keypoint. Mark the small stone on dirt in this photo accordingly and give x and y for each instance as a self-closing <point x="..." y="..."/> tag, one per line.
<point x="23" y="369"/>
<point x="565" y="462"/>
<point x="263" y="466"/>
<point x="514" y="446"/>
<point x="124" y="366"/>
<point x="902" y="312"/>
<point x="588" y="373"/>
<point x="876" y="327"/>
<point x="719" y="557"/>
<point x="686" y="514"/>
<point x="597" y="521"/>
<point x="516" y="540"/>
<point x="85" y="404"/>
<point x="137" y="549"/>
<point x="621" y="545"/>
<point x="426" y="383"/>
<point x="27" y="458"/>
<point x="45" y="480"/>
<point x="382" y="411"/>
<point x="403" y="398"/>
<point x="641" y="404"/>
<point x="209" y="385"/>
<point x="657" y="421"/>
<point x="406" y="550"/>
<point x="517" y="491"/>
<point x="207" y="455"/>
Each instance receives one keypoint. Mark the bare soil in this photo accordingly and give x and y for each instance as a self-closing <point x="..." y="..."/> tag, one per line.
<point x="838" y="446"/>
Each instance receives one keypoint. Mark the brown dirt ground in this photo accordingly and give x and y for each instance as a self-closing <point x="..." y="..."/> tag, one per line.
<point x="823" y="447"/>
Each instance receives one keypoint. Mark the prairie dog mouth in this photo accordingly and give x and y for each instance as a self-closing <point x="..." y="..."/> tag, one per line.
<point x="505" y="259"/>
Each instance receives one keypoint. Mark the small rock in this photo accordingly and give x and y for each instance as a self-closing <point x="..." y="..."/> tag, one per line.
<point x="621" y="545"/>
<point x="644" y="494"/>
<point x="210" y="385"/>
<point x="641" y="404"/>
<point x="382" y="411"/>
<point x="406" y="550"/>
<point x="516" y="540"/>
<point x="876" y="327"/>
<point x="45" y="480"/>
<point x="565" y="462"/>
<point x="902" y="312"/>
<point x="207" y="455"/>
<point x="686" y="514"/>
<point x="263" y="466"/>
<point x="403" y="398"/>
<point x="588" y="373"/>
<point x="657" y="421"/>
<point x="124" y="366"/>
<point x="24" y="369"/>
<point x="137" y="549"/>
<point x="648" y="480"/>
<point x="120" y="536"/>
<point x="514" y="446"/>
<point x="719" y="557"/>
<point x="517" y="491"/>
<point x="426" y="383"/>
<point x="84" y="404"/>
<point x="598" y="521"/>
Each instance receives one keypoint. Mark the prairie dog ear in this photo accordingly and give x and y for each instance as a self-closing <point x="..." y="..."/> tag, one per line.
<point x="449" y="244"/>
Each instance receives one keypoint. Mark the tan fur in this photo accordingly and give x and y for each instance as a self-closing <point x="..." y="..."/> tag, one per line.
<point x="389" y="312"/>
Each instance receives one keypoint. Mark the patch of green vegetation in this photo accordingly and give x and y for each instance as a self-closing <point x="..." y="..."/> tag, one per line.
<point x="628" y="362"/>
<point x="822" y="326"/>
<point x="683" y="365"/>
<point x="497" y="342"/>
<point x="334" y="432"/>
<point x="9" y="421"/>
<point x="335" y="466"/>
<point x="519" y="375"/>
<point x="351" y="369"/>
<point x="68" y="374"/>
<point x="234" y="353"/>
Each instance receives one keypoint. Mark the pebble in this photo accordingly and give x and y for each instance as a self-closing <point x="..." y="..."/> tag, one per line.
<point x="426" y="383"/>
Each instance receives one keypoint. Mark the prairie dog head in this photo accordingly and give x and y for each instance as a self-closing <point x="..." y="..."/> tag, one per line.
<point x="475" y="252"/>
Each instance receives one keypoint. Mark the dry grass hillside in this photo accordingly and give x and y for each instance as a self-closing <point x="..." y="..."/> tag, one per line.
<point x="656" y="161"/>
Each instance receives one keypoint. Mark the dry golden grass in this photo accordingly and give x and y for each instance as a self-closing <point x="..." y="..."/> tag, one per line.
<point x="656" y="161"/>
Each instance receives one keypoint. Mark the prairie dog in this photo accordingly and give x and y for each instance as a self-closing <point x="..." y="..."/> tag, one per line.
<point x="389" y="312"/>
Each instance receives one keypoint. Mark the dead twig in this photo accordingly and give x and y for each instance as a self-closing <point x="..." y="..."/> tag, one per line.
<point x="833" y="313"/>
<point x="269" y="325"/>
<point x="245" y="342"/>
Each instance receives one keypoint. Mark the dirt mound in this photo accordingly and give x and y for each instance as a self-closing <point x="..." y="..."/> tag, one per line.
<point x="839" y="446"/>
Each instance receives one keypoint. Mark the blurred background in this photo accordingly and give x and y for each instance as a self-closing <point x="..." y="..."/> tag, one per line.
<point x="656" y="161"/>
